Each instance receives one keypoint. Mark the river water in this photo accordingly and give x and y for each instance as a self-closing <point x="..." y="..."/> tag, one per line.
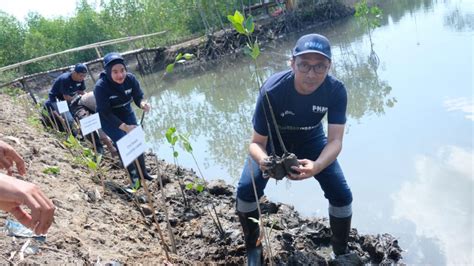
<point x="408" y="147"/>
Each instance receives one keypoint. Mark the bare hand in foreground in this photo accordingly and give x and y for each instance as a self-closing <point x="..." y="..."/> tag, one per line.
<point x="8" y="157"/>
<point x="15" y="192"/>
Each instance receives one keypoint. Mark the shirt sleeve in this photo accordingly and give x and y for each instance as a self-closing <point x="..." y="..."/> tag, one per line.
<point x="137" y="92"/>
<point x="337" y="111"/>
<point x="103" y="106"/>
<point x="259" y="121"/>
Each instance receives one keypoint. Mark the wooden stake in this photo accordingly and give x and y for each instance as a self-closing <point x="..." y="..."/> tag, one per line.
<point x="150" y="204"/>
<point x="97" y="164"/>
<point x="163" y="198"/>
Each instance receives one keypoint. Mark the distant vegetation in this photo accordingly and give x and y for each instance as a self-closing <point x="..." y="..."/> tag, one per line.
<point x="38" y="36"/>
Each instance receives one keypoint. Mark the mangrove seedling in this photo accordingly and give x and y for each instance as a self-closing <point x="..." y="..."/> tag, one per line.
<point x="51" y="170"/>
<point x="369" y="18"/>
<point x="172" y="138"/>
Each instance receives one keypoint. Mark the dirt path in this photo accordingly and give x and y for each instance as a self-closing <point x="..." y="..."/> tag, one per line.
<point x="93" y="227"/>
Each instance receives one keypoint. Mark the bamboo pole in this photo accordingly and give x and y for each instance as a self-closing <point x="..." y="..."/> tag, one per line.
<point x="81" y="48"/>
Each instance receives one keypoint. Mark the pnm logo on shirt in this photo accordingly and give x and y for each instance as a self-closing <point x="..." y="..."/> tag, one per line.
<point x="128" y="91"/>
<point x="319" y="109"/>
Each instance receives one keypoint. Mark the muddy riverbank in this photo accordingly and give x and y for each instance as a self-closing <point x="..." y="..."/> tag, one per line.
<point x="110" y="227"/>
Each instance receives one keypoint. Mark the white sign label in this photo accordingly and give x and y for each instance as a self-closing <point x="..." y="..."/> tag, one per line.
<point x="90" y="124"/>
<point x="132" y="145"/>
<point x="62" y="107"/>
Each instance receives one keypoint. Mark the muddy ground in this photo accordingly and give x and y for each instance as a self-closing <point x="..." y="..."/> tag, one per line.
<point x="93" y="226"/>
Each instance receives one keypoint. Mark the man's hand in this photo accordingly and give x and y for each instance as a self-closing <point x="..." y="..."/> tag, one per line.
<point x="145" y="106"/>
<point x="266" y="163"/>
<point x="307" y="168"/>
<point x="14" y="193"/>
<point x="272" y="166"/>
<point x="127" y="128"/>
<point x="8" y="157"/>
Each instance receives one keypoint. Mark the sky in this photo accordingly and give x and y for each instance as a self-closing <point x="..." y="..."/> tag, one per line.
<point x="47" y="8"/>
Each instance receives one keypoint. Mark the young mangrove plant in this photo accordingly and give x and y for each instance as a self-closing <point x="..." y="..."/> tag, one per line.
<point x="369" y="18"/>
<point x="246" y="27"/>
<point x="172" y="139"/>
<point x="199" y="183"/>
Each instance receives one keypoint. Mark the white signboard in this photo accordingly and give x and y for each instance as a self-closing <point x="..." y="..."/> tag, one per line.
<point x="132" y="145"/>
<point x="62" y="107"/>
<point x="90" y="124"/>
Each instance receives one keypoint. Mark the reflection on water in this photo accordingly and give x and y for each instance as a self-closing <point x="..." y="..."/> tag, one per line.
<point x="459" y="20"/>
<point x="216" y="105"/>
<point x="461" y="104"/>
<point x="439" y="201"/>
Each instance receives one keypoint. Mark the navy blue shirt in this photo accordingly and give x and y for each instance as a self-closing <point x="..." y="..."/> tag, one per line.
<point x="298" y="116"/>
<point x="65" y="85"/>
<point x="113" y="100"/>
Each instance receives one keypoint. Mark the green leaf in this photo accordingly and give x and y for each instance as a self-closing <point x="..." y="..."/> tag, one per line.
<point x="170" y="68"/>
<point x="239" y="28"/>
<point x="99" y="159"/>
<point x="179" y="56"/>
<point x="249" y="25"/>
<point x="187" y="146"/>
<point x="174" y="140"/>
<point x="51" y="170"/>
<point x="91" y="164"/>
<point x="199" y="188"/>
<point x="175" y="154"/>
<point x="238" y="17"/>
<point x="189" y="186"/>
<point x="188" y="56"/>
<point x="255" y="51"/>
<point x="231" y="19"/>
<point x="169" y="134"/>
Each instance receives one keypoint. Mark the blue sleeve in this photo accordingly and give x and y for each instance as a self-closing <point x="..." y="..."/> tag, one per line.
<point x="259" y="121"/>
<point x="337" y="110"/>
<point x="137" y="92"/>
<point x="103" y="105"/>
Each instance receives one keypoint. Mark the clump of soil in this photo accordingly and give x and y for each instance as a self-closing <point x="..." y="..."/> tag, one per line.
<point x="96" y="226"/>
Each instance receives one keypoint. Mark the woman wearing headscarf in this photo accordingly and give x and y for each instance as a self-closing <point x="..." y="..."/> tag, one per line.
<point x="114" y="92"/>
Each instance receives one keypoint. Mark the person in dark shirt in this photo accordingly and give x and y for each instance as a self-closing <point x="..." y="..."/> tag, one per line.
<point x="114" y="92"/>
<point x="299" y="99"/>
<point x="64" y="88"/>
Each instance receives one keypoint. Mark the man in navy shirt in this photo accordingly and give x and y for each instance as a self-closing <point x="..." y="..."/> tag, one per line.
<point x="64" y="88"/>
<point x="299" y="99"/>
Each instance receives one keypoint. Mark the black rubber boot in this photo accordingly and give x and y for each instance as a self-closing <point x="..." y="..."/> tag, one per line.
<point x="146" y="175"/>
<point x="251" y="231"/>
<point x="340" y="228"/>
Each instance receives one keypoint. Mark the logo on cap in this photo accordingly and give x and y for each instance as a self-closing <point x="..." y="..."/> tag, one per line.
<point x="313" y="45"/>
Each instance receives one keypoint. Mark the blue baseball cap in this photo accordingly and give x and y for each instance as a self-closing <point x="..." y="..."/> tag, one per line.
<point x="313" y="43"/>
<point x="113" y="58"/>
<point x="80" y="68"/>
